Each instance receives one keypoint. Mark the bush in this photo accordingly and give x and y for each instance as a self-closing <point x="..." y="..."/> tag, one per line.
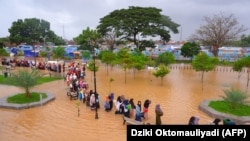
<point x="235" y="97"/>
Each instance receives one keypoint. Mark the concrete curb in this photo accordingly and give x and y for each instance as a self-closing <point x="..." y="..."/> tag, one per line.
<point x="5" y="104"/>
<point x="215" y="114"/>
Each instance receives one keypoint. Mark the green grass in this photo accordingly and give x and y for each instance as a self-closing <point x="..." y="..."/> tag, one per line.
<point x="48" y="79"/>
<point x="22" y="99"/>
<point x="225" y="107"/>
<point x="7" y="80"/>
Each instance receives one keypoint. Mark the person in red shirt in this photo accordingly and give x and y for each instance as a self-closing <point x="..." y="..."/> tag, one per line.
<point x="145" y="108"/>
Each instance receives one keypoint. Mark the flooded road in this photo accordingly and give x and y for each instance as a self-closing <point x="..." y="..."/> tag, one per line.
<point x="179" y="96"/>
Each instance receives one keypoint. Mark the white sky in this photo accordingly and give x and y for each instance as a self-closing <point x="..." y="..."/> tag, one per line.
<point x="68" y="18"/>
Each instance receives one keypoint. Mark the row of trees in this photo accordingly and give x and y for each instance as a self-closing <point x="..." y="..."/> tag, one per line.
<point x="137" y="61"/>
<point x="128" y="25"/>
<point x="133" y="60"/>
<point x="134" y="22"/>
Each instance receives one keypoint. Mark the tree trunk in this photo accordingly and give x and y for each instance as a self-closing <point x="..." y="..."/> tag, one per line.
<point x="239" y="75"/>
<point x="161" y="81"/>
<point x="111" y="47"/>
<point x="202" y="77"/>
<point x="135" y="41"/>
<point x="107" y="69"/>
<point x="215" y="50"/>
<point x="134" y="72"/>
<point x="125" y="71"/>
<point x="27" y="93"/>
<point x="248" y="77"/>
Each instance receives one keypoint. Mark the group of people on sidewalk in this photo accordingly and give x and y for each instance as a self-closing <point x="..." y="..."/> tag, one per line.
<point x="75" y="79"/>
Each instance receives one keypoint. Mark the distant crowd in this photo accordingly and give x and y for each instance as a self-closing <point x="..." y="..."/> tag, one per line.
<point x="55" y="67"/>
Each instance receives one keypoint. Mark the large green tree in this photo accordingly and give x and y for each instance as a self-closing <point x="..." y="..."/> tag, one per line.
<point x="88" y="39"/>
<point x="32" y="30"/>
<point x="143" y="21"/>
<point x="204" y="63"/>
<point x="146" y="43"/>
<point x="189" y="49"/>
<point x="218" y="30"/>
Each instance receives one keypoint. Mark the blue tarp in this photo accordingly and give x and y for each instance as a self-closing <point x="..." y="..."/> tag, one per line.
<point x="14" y="50"/>
<point x="26" y="47"/>
<point x="30" y="53"/>
<point x="69" y="51"/>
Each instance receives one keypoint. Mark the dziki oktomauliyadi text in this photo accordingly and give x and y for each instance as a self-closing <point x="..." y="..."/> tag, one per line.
<point x="169" y="132"/>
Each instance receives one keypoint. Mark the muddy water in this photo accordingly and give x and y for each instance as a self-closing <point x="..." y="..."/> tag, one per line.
<point x="179" y="94"/>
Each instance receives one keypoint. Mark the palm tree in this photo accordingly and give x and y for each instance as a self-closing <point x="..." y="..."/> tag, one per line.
<point x="26" y="80"/>
<point x="235" y="97"/>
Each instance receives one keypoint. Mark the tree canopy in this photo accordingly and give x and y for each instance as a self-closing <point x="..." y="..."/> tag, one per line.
<point x="88" y="39"/>
<point x="124" y="59"/>
<point x="240" y="64"/>
<point x="32" y="30"/>
<point x="189" y="49"/>
<point x="108" y="57"/>
<point x="161" y="71"/>
<point x="26" y="80"/>
<point x="143" y="21"/>
<point x="165" y="58"/>
<point x="218" y="30"/>
<point x="203" y="63"/>
<point x="58" y="52"/>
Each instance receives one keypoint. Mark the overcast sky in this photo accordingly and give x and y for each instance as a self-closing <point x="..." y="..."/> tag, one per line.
<point x="68" y="18"/>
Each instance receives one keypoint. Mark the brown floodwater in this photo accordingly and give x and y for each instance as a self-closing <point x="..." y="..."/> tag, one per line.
<point x="179" y="95"/>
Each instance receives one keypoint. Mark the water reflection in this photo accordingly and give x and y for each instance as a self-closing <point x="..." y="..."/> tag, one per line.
<point x="179" y="96"/>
